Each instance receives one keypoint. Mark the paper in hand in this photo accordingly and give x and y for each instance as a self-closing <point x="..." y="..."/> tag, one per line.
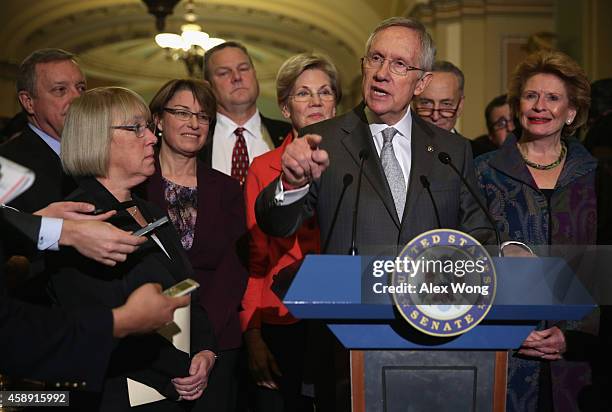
<point x="14" y="180"/>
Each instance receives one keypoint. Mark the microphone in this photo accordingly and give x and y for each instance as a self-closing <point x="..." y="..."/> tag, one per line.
<point x="363" y="156"/>
<point x="346" y="182"/>
<point x="425" y="184"/>
<point x="446" y="159"/>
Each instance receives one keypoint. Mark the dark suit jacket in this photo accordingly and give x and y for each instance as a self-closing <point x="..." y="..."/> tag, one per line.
<point x="481" y="145"/>
<point x="220" y="225"/>
<point x="276" y="128"/>
<point x="42" y="343"/>
<point x="51" y="184"/>
<point x="78" y="282"/>
<point x="378" y="225"/>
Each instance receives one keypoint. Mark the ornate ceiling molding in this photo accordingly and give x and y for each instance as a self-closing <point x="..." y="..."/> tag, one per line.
<point x="114" y="38"/>
<point x="433" y="10"/>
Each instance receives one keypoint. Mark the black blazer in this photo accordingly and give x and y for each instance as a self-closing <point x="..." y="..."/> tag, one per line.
<point x="276" y="128"/>
<point x="51" y="184"/>
<point x="50" y="344"/>
<point x="378" y="225"/>
<point x="77" y="282"/>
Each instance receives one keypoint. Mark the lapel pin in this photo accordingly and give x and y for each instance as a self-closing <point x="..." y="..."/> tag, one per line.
<point x="430" y="148"/>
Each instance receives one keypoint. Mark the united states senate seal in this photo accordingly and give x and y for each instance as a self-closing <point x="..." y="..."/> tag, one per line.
<point x="446" y="282"/>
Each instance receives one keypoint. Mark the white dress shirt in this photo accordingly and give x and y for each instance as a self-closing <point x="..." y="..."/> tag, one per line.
<point x="53" y="143"/>
<point x="256" y="136"/>
<point x="50" y="228"/>
<point x="401" y="142"/>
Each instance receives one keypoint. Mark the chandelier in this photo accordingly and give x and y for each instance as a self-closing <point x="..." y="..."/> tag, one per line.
<point x="189" y="46"/>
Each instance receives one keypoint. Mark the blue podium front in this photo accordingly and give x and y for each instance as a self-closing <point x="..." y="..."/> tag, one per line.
<point x="401" y="366"/>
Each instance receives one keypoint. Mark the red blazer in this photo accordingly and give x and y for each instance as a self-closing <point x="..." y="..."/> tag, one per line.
<point x="220" y="225"/>
<point x="267" y="255"/>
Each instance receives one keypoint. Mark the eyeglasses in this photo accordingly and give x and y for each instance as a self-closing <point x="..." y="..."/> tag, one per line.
<point x="396" y="66"/>
<point x="306" y="95"/>
<point x="138" y="129"/>
<point x="447" y="113"/>
<point x="502" y="123"/>
<point x="185" y="115"/>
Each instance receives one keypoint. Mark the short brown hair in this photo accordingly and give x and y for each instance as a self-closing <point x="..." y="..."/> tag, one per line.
<point x="428" y="49"/>
<point x="294" y="66"/>
<point x="87" y="133"/>
<point x="26" y="75"/>
<point x="566" y="69"/>
<point x="201" y="92"/>
<point x="209" y="53"/>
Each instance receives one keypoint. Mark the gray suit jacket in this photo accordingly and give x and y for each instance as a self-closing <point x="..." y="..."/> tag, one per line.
<point x="378" y="227"/>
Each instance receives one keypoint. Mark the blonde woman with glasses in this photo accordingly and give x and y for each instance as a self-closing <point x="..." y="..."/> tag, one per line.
<point x="108" y="148"/>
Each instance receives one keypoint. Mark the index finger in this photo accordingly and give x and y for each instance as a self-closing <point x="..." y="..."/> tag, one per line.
<point x="541" y="345"/>
<point x="313" y="140"/>
<point x="535" y="335"/>
<point x="82" y="215"/>
<point x="100" y="217"/>
<point x="78" y="207"/>
<point x="128" y="238"/>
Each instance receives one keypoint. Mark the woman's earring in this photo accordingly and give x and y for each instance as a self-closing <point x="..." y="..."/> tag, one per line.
<point x="157" y="132"/>
<point x="285" y="112"/>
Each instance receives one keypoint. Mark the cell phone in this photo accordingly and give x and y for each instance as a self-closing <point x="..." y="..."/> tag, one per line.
<point x="151" y="226"/>
<point x="100" y="211"/>
<point x="182" y="288"/>
<point x="122" y="206"/>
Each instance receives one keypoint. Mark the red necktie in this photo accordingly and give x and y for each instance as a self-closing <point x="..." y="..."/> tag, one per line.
<point x="240" y="157"/>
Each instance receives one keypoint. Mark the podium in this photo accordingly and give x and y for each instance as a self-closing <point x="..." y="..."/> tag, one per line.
<point x="394" y="367"/>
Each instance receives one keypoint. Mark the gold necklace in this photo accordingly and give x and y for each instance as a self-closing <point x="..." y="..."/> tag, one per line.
<point x="548" y="166"/>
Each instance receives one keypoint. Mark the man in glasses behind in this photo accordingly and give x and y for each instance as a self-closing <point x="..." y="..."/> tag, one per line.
<point x="500" y="124"/>
<point x="441" y="103"/>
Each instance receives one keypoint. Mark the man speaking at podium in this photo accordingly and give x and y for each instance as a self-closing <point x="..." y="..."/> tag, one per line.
<point x="399" y="152"/>
<point x="399" y="155"/>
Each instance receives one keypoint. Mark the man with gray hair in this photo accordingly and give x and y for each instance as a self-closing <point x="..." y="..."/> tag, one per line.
<point x="47" y="82"/>
<point x="397" y="148"/>
<point x="398" y="151"/>
<point x="441" y="103"/>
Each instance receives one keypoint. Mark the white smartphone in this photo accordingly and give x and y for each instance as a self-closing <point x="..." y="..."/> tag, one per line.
<point x="151" y="226"/>
<point x="182" y="288"/>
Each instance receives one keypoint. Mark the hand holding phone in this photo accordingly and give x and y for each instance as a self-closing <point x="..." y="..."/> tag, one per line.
<point x="182" y="288"/>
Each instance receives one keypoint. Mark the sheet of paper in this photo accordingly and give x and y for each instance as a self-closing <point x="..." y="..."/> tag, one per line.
<point x="141" y="394"/>
<point x="14" y="180"/>
<point x="179" y="333"/>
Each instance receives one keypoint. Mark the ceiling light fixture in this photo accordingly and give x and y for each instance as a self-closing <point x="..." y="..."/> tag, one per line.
<point x="191" y="44"/>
